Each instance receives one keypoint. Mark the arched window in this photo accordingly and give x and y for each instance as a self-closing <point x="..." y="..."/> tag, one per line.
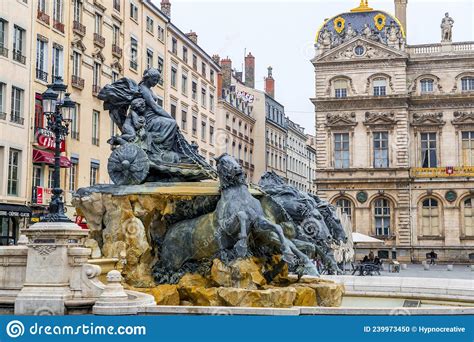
<point x="430" y="217"/>
<point x="382" y="217"/>
<point x="340" y="88"/>
<point x="380" y="86"/>
<point x="427" y="85"/>
<point x="346" y="206"/>
<point x="467" y="83"/>
<point x="469" y="217"/>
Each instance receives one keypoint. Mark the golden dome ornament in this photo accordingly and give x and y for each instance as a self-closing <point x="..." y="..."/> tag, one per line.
<point x="339" y="24"/>
<point x="379" y="21"/>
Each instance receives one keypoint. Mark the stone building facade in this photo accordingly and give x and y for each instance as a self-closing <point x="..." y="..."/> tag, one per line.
<point x="15" y="64"/>
<point x="235" y="117"/>
<point x="90" y="44"/>
<point x="296" y="156"/>
<point x="394" y="128"/>
<point x="311" y="155"/>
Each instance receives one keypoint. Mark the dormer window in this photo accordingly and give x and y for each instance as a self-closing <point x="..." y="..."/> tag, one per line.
<point x="427" y="85"/>
<point x="340" y="88"/>
<point x="380" y="87"/>
<point x="467" y="83"/>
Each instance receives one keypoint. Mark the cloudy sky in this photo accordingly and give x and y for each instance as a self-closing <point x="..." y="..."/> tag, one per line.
<point x="281" y="34"/>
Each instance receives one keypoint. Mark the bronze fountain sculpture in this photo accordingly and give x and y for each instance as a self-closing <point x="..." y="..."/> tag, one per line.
<point x="276" y="219"/>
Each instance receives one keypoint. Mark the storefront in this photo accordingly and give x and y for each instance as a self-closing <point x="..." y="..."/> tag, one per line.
<point x="12" y="218"/>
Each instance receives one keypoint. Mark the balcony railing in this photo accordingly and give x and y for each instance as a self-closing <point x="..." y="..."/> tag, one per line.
<point x="99" y="40"/>
<point x="43" y="17"/>
<point x="134" y="65"/>
<point x="3" y="51"/>
<point x="17" y="56"/>
<point x="95" y="89"/>
<point x="41" y="75"/>
<point x="58" y="26"/>
<point x="77" y="82"/>
<point x="116" y="50"/>
<point x="3" y="116"/>
<point x="79" y="28"/>
<point x="74" y="135"/>
<point x="17" y="119"/>
<point x="442" y="172"/>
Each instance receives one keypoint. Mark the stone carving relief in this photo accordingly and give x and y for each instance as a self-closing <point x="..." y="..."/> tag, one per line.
<point x="379" y="120"/>
<point x="428" y="121"/>
<point x="44" y="250"/>
<point x="370" y="52"/>
<point x="341" y="120"/>
<point x="78" y="44"/>
<point x="463" y="120"/>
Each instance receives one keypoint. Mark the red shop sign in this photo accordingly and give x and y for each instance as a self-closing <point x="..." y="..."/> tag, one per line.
<point x="45" y="139"/>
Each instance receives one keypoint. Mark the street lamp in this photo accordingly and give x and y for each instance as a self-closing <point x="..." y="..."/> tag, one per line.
<point x="57" y="107"/>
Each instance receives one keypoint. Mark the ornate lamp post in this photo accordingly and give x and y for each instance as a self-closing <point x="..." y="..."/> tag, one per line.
<point x="57" y="107"/>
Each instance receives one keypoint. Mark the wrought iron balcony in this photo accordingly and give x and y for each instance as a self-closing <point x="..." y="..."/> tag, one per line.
<point x="77" y="82"/>
<point x="116" y="50"/>
<point x="442" y="172"/>
<point x="41" y="16"/>
<point x="58" y="26"/>
<point x="79" y="28"/>
<point x="95" y="89"/>
<point x="3" y="51"/>
<point x="99" y="40"/>
<point x="134" y="65"/>
<point x="17" y="119"/>
<point x="17" y="56"/>
<point x="41" y="75"/>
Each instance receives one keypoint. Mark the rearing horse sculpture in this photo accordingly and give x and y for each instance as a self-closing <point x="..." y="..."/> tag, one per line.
<point x="238" y="217"/>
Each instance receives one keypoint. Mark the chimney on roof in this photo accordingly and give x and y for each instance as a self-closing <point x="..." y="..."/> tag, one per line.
<point x="217" y="59"/>
<point x="270" y="83"/>
<point x="226" y="69"/>
<point x="193" y="36"/>
<point x="250" y="70"/>
<point x="166" y="7"/>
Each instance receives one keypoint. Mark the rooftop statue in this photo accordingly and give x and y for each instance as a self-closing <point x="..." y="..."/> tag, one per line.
<point x="151" y="146"/>
<point x="447" y="24"/>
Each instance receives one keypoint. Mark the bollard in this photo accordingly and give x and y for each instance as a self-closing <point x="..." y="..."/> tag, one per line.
<point x="404" y="266"/>
<point x="426" y="266"/>
<point x="450" y="267"/>
<point x="472" y="268"/>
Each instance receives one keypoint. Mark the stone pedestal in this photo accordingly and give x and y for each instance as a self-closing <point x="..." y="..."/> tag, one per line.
<point x="55" y="260"/>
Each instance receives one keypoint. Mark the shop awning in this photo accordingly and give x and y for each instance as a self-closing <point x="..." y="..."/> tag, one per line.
<point x="44" y="157"/>
<point x="12" y="210"/>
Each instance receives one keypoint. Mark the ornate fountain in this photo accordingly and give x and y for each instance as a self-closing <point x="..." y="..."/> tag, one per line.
<point x="193" y="235"/>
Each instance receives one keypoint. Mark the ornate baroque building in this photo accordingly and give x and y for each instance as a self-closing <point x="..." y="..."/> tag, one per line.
<point x="395" y="133"/>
